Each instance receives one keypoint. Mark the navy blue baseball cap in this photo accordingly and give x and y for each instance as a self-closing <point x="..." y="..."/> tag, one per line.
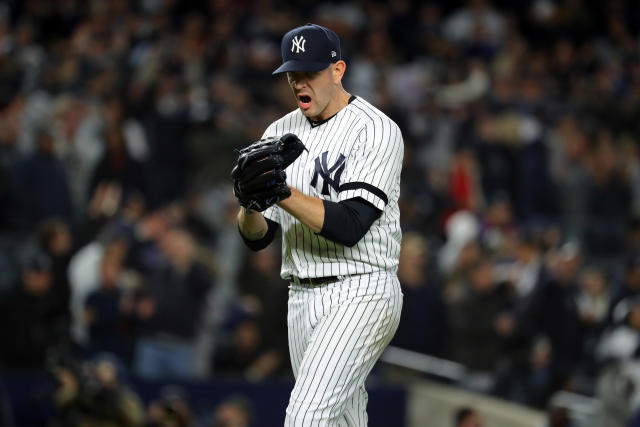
<point x="309" y="48"/>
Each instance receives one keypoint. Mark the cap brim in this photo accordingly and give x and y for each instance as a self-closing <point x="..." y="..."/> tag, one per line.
<point x="294" y="65"/>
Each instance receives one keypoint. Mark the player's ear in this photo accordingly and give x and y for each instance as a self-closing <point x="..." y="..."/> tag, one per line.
<point x="338" y="70"/>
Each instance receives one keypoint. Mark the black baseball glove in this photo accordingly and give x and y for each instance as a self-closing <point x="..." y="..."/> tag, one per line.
<point x="259" y="179"/>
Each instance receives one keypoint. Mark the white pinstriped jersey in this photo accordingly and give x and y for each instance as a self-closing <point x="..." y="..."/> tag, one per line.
<point x="356" y="153"/>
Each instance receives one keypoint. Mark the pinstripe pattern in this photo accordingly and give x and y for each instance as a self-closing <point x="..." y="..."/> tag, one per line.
<point x="338" y="330"/>
<point x="373" y="147"/>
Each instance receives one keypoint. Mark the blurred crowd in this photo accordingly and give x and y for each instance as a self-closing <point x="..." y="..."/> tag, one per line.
<point x="520" y="198"/>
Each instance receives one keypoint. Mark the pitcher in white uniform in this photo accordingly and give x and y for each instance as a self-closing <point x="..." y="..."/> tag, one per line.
<point x="341" y="233"/>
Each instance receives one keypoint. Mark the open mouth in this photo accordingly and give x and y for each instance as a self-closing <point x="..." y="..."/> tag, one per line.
<point x="305" y="101"/>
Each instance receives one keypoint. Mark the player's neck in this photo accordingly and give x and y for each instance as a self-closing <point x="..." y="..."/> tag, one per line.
<point x="340" y="101"/>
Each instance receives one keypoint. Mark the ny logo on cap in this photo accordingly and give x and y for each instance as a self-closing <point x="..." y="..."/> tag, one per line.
<point x="298" y="43"/>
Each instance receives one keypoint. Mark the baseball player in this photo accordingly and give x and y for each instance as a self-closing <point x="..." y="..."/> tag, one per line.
<point x="341" y="233"/>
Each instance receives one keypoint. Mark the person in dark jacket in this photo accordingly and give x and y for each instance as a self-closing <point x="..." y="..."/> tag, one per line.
<point x="170" y="310"/>
<point x="423" y="319"/>
<point x="108" y="310"/>
<point x="38" y="187"/>
<point x="117" y="166"/>
<point x="55" y="240"/>
<point x="552" y="313"/>
<point x="477" y="319"/>
<point x="29" y="323"/>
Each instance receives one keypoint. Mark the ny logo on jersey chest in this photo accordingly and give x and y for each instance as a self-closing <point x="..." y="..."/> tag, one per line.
<point x="323" y="170"/>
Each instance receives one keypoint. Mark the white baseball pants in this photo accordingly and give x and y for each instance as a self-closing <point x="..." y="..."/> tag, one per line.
<point x="337" y="332"/>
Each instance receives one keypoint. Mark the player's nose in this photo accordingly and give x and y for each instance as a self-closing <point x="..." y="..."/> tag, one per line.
<point x="299" y="83"/>
<point x="297" y="80"/>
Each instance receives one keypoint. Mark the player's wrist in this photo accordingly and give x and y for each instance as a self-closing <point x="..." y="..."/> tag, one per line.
<point x="286" y="202"/>
<point x="246" y="214"/>
<point x="252" y="226"/>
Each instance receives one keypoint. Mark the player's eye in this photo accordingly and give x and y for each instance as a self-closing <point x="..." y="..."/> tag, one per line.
<point x="294" y="77"/>
<point x="291" y="77"/>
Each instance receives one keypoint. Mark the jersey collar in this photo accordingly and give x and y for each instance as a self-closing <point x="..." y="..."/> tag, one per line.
<point x="315" y="124"/>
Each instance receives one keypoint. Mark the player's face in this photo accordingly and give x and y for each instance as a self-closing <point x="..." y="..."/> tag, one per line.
<point x="314" y="92"/>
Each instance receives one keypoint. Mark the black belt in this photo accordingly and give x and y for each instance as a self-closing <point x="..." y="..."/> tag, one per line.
<point x="314" y="281"/>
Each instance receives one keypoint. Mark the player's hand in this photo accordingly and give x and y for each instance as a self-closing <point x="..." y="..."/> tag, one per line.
<point x="259" y="179"/>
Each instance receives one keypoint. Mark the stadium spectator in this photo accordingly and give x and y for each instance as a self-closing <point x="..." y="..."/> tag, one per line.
<point x="170" y="308"/>
<point x="234" y="411"/>
<point x="55" y="239"/>
<point x="629" y="285"/>
<point x="263" y="294"/>
<point x="117" y="166"/>
<point x="552" y="313"/>
<point x="38" y="187"/>
<point x="476" y="317"/>
<point x="96" y="396"/>
<point x="30" y="324"/>
<point x="108" y="310"/>
<point x="608" y="204"/>
<point x="240" y="354"/>
<point x="170" y="409"/>
<point x="468" y="417"/>
<point x="423" y="320"/>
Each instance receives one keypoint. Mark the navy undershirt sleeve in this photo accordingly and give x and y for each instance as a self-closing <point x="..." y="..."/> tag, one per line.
<point x="256" y="245"/>
<point x="348" y="221"/>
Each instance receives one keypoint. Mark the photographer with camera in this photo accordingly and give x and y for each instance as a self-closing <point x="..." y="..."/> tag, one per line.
<point x="92" y="395"/>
